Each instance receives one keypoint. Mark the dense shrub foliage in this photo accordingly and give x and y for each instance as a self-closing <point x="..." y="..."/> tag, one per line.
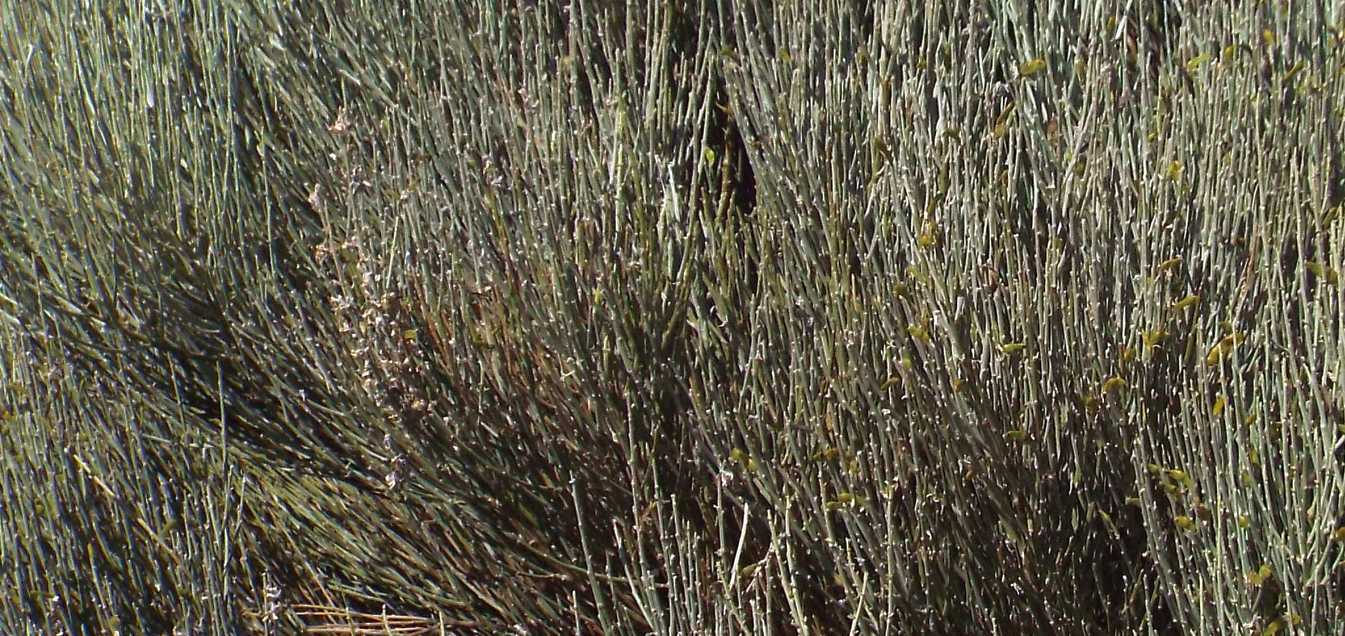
<point x="692" y="316"/>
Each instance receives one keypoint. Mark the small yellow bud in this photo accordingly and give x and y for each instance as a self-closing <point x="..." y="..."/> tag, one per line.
<point x="1179" y="476"/>
<point x="1188" y="301"/>
<point x="1260" y="576"/>
<point x="1032" y="67"/>
<point x="827" y="454"/>
<point x="929" y="237"/>
<point x="1175" y="170"/>
<point x="1196" y="62"/>
<point x="1152" y="337"/>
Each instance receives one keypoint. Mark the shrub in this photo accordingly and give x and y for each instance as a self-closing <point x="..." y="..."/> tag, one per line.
<point x="731" y="317"/>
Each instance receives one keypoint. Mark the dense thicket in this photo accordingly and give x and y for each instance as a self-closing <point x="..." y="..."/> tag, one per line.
<point x="671" y="316"/>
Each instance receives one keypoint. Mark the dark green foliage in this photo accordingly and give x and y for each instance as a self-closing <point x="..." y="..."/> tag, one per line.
<point x="673" y="317"/>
